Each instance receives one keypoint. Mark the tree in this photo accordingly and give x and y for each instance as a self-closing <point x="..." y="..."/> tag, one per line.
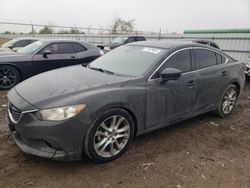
<point x="119" y="25"/>
<point x="7" y="32"/>
<point x="75" y="31"/>
<point x="46" y="30"/>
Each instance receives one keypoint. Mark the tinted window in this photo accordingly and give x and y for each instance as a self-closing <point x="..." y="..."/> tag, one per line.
<point x="205" y="58"/>
<point x="21" y="43"/>
<point x="181" y="60"/>
<point x="220" y="59"/>
<point x="131" y="39"/>
<point x="140" y="38"/>
<point x="59" y="48"/>
<point x="78" y="47"/>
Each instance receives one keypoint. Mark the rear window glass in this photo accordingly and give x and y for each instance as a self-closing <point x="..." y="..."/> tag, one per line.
<point x="220" y="59"/>
<point x="205" y="58"/>
<point x="78" y="48"/>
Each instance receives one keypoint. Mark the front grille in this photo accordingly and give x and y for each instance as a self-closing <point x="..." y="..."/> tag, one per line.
<point x="14" y="113"/>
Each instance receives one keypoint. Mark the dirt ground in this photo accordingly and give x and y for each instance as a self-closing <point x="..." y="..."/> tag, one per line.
<point x="205" y="151"/>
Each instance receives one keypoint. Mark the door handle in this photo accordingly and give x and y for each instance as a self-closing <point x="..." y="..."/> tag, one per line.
<point x="190" y="83"/>
<point x="73" y="57"/>
<point x="224" y="73"/>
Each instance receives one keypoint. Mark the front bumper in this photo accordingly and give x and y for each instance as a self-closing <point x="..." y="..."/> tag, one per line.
<point x="54" y="140"/>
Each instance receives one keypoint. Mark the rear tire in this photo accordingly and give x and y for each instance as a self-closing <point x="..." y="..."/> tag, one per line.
<point x="9" y="77"/>
<point x="109" y="135"/>
<point x="228" y="101"/>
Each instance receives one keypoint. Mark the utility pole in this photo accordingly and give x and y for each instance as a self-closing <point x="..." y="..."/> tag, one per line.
<point x="159" y="38"/>
<point x="32" y="30"/>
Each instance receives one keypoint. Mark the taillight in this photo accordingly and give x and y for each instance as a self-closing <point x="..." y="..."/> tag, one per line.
<point x="243" y="66"/>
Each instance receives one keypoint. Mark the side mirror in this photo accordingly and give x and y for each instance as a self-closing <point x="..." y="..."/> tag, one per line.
<point x="170" y="74"/>
<point x="11" y="46"/>
<point x="46" y="53"/>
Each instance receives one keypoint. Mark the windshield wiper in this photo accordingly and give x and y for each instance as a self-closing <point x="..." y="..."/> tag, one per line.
<point x="100" y="70"/>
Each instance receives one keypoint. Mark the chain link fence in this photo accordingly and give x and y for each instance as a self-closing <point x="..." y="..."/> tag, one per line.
<point x="235" y="44"/>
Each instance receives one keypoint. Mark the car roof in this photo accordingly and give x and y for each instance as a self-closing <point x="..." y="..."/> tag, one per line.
<point x="175" y="45"/>
<point x="26" y="38"/>
<point x="127" y="36"/>
<point x="85" y="44"/>
<point x="59" y="40"/>
<point x="167" y="44"/>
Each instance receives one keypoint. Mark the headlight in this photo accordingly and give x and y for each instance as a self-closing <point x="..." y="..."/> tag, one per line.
<point x="107" y="48"/>
<point x="61" y="113"/>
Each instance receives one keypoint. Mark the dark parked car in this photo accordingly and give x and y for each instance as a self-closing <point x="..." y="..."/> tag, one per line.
<point x="120" y="41"/>
<point x="42" y="56"/>
<point x="132" y="90"/>
<point x="16" y="44"/>
<point x="206" y="42"/>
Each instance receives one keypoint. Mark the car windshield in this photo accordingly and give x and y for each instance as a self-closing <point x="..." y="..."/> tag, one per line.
<point x="120" y="40"/>
<point x="9" y="43"/>
<point x="129" y="60"/>
<point x="31" y="47"/>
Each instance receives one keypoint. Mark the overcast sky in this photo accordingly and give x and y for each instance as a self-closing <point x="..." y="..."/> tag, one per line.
<point x="169" y="15"/>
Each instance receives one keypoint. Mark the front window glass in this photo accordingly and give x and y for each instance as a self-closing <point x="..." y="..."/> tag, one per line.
<point x="120" y="40"/>
<point x="22" y="43"/>
<point x="129" y="60"/>
<point x="31" y="48"/>
<point x="59" y="48"/>
<point x="181" y="60"/>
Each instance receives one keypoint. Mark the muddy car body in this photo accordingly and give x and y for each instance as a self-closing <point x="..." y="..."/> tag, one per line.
<point x="130" y="91"/>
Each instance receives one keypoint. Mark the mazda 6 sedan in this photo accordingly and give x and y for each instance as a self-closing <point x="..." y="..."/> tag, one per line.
<point x="41" y="56"/>
<point x="134" y="89"/>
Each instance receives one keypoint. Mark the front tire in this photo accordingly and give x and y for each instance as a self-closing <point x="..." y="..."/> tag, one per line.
<point x="109" y="135"/>
<point x="9" y="77"/>
<point x="228" y="101"/>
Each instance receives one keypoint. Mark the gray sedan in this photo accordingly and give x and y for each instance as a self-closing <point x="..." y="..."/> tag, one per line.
<point x="134" y="89"/>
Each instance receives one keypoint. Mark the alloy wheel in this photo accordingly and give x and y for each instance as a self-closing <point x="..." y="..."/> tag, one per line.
<point x="229" y="100"/>
<point x="111" y="136"/>
<point x="8" y="77"/>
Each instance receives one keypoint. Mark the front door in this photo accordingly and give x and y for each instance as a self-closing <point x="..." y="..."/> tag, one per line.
<point x="173" y="100"/>
<point x="62" y="54"/>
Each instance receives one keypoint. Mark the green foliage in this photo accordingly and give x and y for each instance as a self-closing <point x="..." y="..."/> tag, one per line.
<point x="71" y="31"/>
<point x="122" y="26"/>
<point x="46" y="30"/>
<point x="7" y="32"/>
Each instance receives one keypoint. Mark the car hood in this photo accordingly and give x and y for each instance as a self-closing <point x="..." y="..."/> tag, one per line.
<point x="5" y="50"/>
<point x="60" y="87"/>
<point x="14" y="57"/>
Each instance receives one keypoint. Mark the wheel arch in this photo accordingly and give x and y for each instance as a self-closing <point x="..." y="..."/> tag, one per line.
<point x="119" y="105"/>
<point x="16" y="67"/>
<point x="236" y="83"/>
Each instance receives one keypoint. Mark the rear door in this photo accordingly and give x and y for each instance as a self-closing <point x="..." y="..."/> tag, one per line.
<point x="212" y="77"/>
<point x="83" y="55"/>
<point x="62" y="54"/>
<point x="173" y="100"/>
<point x="140" y="39"/>
<point x="131" y="39"/>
